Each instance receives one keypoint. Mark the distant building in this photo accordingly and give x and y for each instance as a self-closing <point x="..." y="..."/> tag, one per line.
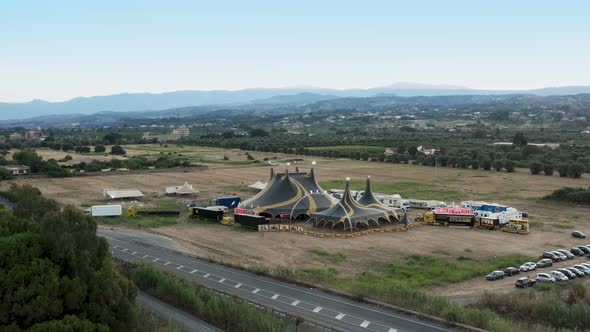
<point x="16" y="136"/>
<point x="160" y="138"/>
<point x="17" y="169"/>
<point x="426" y="150"/>
<point x="2" y="139"/>
<point x="182" y="131"/>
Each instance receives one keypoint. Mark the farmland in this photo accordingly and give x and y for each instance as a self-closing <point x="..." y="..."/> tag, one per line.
<point x="346" y="259"/>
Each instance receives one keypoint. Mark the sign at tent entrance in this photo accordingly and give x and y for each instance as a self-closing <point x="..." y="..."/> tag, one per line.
<point x="244" y="212"/>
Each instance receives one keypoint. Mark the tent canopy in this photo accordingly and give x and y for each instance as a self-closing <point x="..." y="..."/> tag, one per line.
<point x="258" y="185"/>
<point x="369" y="200"/>
<point x="293" y="194"/>
<point x="126" y="193"/>
<point x="181" y="190"/>
<point x="350" y="214"/>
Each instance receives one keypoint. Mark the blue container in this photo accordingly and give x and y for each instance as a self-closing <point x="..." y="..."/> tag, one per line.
<point x="230" y="202"/>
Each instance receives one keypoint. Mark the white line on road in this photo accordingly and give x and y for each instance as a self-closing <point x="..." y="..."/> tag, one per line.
<point x="156" y="259"/>
<point x="274" y="297"/>
<point x="340" y="316"/>
<point x="145" y="256"/>
<point x="166" y="264"/>
<point x="391" y="329"/>
<point x="365" y="323"/>
<point x="206" y="275"/>
<point x="193" y="271"/>
<point x="317" y="309"/>
<point x="180" y="267"/>
<point x="116" y="247"/>
<point x="222" y="280"/>
<point x="125" y="249"/>
<point x="238" y="285"/>
<point x="135" y="252"/>
<point x="296" y="302"/>
<point x="256" y="291"/>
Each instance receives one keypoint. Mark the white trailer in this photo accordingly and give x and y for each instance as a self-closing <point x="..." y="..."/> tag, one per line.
<point x="394" y="201"/>
<point x="105" y="211"/>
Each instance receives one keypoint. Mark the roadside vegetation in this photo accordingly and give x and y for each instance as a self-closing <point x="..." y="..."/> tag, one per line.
<point x="224" y="312"/>
<point x="325" y="256"/>
<point x="570" y="195"/>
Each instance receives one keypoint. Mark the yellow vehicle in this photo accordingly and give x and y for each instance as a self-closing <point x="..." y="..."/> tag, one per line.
<point x="448" y="216"/>
<point x="228" y="221"/>
<point x="487" y="223"/>
<point x="516" y="226"/>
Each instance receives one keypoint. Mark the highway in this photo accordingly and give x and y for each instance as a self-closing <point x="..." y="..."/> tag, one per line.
<point x="326" y="309"/>
<point x="181" y="319"/>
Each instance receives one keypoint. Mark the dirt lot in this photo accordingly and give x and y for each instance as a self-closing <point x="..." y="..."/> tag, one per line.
<point x="552" y="222"/>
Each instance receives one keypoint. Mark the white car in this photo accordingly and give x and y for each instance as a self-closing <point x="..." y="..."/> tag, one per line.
<point x="582" y="268"/>
<point x="528" y="266"/>
<point x="544" y="277"/>
<point x="558" y="276"/>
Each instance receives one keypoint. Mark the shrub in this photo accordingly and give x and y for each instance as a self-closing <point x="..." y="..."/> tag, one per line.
<point x="562" y="169"/>
<point x="475" y="164"/>
<point x="486" y="164"/>
<point x="100" y="148"/>
<point x="497" y="165"/>
<point x="118" y="150"/>
<point x="548" y="168"/>
<point x="575" y="170"/>
<point x="509" y="165"/>
<point x="536" y="167"/>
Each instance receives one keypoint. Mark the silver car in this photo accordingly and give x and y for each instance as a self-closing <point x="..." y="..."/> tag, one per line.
<point x="528" y="266"/>
<point x="560" y="255"/>
<point x="582" y="268"/>
<point x="544" y="277"/>
<point x="567" y="253"/>
<point x="558" y="276"/>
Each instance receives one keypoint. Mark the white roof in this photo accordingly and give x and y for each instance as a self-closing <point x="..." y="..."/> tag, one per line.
<point x="124" y="193"/>
<point x="258" y="185"/>
<point x="184" y="189"/>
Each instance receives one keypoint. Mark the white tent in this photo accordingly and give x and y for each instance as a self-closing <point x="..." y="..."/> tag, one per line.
<point x="185" y="189"/>
<point x="257" y="185"/>
<point x="126" y="193"/>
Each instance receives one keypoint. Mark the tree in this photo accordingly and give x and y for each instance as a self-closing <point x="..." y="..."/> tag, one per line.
<point x="29" y="158"/>
<point x="536" y="167"/>
<point x="100" y="148"/>
<point x="548" y="168"/>
<point x="497" y="165"/>
<point x="575" y="170"/>
<point x="519" y="139"/>
<point x="475" y="164"/>
<point x="112" y="138"/>
<point x="5" y="174"/>
<point x="508" y="165"/>
<point x="82" y="149"/>
<point x="67" y="147"/>
<point x="117" y="150"/>
<point x="562" y="169"/>
<point x="258" y="132"/>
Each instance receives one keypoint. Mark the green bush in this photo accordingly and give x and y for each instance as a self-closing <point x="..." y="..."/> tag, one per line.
<point x="536" y="167"/>
<point x="548" y="168"/>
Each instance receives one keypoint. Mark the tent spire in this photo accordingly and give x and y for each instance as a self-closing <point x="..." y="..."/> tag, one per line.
<point x="296" y="169"/>
<point x="286" y="175"/>
<point x="311" y="173"/>
<point x="272" y="173"/>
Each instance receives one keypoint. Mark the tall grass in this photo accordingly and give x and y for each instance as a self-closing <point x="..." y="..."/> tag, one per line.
<point x="323" y="255"/>
<point x="224" y="312"/>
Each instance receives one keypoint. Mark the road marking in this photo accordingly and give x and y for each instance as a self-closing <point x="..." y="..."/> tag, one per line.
<point x="340" y="316"/>
<point x="238" y="285"/>
<point x="256" y="291"/>
<point x="206" y="275"/>
<point x="180" y="267"/>
<point x="296" y="302"/>
<point x="391" y="329"/>
<point x="274" y="297"/>
<point x="145" y="256"/>
<point x="365" y="323"/>
<point x="166" y="264"/>
<point x="222" y="280"/>
<point x="317" y="309"/>
<point x="135" y="252"/>
<point x="125" y="249"/>
<point x="193" y="271"/>
<point x="156" y="259"/>
<point x="116" y="247"/>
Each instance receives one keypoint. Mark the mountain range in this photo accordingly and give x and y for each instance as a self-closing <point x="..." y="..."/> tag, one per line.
<point x="130" y="102"/>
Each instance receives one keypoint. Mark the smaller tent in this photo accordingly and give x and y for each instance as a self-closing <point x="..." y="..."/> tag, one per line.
<point x="258" y="185"/>
<point x="185" y="189"/>
<point x="369" y="200"/>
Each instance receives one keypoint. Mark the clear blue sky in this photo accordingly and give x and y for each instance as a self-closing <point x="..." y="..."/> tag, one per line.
<point x="56" y="50"/>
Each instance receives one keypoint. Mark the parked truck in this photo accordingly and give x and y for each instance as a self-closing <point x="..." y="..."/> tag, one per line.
<point x="105" y="211"/>
<point x="448" y="217"/>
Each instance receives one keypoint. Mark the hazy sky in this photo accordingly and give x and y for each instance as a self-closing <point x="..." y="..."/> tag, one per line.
<point x="56" y="50"/>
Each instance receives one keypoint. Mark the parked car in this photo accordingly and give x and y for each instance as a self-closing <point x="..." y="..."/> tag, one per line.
<point x="495" y="275"/>
<point x="558" y="276"/>
<point x="569" y="274"/>
<point x="544" y="263"/>
<point x="544" y="277"/>
<point x="577" y="252"/>
<point x="551" y="256"/>
<point x="578" y="234"/>
<point x="577" y="272"/>
<point x="561" y="256"/>
<point x="510" y="271"/>
<point x="585" y="250"/>
<point x="586" y="265"/>
<point x="582" y="268"/>
<point x="587" y="247"/>
<point x="524" y="282"/>
<point x="567" y="254"/>
<point x="528" y="266"/>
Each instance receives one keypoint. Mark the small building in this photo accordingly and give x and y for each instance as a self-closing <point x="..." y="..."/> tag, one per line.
<point x="426" y="150"/>
<point x="2" y="139"/>
<point x="124" y="193"/>
<point x="16" y="136"/>
<point x="17" y="169"/>
<point x="182" y="131"/>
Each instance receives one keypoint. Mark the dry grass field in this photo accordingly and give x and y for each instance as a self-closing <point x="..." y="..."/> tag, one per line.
<point x="551" y="222"/>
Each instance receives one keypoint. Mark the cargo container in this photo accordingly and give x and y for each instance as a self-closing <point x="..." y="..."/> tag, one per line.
<point x="105" y="211"/>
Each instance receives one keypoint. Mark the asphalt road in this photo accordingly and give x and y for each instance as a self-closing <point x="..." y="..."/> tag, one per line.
<point x="181" y="319"/>
<point x="330" y="310"/>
